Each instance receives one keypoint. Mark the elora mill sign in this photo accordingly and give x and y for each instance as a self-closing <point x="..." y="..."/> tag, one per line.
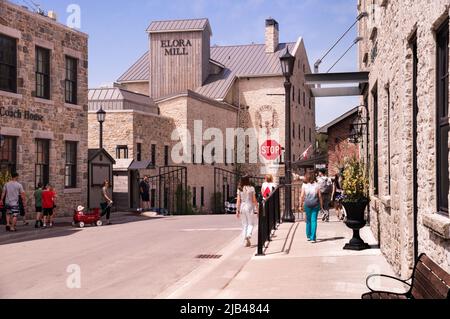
<point x="176" y="47"/>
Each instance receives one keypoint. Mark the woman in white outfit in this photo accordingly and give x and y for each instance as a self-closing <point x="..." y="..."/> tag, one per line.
<point x="247" y="206"/>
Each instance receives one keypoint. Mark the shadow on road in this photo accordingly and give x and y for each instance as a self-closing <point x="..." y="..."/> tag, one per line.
<point x="28" y="234"/>
<point x="61" y="229"/>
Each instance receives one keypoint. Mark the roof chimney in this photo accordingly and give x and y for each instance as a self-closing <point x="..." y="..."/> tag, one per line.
<point x="52" y="15"/>
<point x="272" y="35"/>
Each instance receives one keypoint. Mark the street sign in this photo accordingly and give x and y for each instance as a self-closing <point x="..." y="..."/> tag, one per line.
<point x="271" y="150"/>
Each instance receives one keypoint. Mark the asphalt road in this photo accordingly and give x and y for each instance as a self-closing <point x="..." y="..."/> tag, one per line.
<point x="134" y="258"/>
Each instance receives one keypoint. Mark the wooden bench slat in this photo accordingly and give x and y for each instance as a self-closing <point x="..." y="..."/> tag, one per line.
<point x="441" y="273"/>
<point x="420" y="291"/>
<point x="436" y="284"/>
<point x="428" y="285"/>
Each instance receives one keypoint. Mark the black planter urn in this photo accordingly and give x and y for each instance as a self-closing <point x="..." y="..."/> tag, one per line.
<point x="356" y="220"/>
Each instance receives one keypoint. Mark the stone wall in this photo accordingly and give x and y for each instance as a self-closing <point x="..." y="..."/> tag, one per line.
<point x="61" y="122"/>
<point x="137" y="87"/>
<point x="386" y="53"/>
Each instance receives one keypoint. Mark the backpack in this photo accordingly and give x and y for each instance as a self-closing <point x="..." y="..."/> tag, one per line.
<point x="311" y="200"/>
<point x="326" y="185"/>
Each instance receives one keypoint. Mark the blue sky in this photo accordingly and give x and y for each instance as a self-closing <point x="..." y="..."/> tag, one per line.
<point x="117" y="31"/>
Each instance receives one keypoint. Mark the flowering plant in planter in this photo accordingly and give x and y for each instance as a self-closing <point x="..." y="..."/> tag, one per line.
<point x="355" y="182"/>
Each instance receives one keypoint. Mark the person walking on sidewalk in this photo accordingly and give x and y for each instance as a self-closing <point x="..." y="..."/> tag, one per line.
<point x="267" y="187"/>
<point x="337" y="196"/>
<point x="247" y="206"/>
<point x="326" y="188"/>
<point x="106" y="202"/>
<point x="48" y="204"/>
<point x="311" y="202"/>
<point x="144" y="191"/>
<point x="38" y="206"/>
<point x="11" y="193"/>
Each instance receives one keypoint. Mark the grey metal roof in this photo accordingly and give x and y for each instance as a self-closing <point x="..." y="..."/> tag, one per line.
<point x="179" y="25"/>
<point x="324" y="129"/>
<point x="119" y="99"/>
<point x="139" y="71"/>
<point x="241" y="60"/>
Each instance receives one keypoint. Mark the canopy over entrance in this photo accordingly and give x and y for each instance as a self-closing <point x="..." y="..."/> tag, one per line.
<point x="358" y="79"/>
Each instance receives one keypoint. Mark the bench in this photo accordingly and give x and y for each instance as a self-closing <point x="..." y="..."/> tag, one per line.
<point x="429" y="281"/>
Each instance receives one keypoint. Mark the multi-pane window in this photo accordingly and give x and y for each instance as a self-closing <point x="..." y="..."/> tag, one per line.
<point x="70" y="178"/>
<point x="42" y="73"/>
<point x="166" y="155"/>
<point x="71" y="80"/>
<point x="139" y="152"/>
<point x="194" y="196"/>
<point x="122" y="152"/>
<point x="442" y="38"/>
<point x="8" y="64"/>
<point x="153" y="154"/>
<point x="42" y="174"/>
<point x="202" y="196"/>
<point x="375" y="140"/>
<point x="8" y="154"/>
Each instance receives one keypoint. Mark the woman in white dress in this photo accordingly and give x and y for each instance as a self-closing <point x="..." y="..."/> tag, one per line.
<point x="247" y="207"/>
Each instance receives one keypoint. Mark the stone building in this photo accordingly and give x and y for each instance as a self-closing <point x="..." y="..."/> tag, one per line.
<point x="405" y="47"/>
<point x="43" y="104"/>
<point x="339" y="146"/>
<point x="221" y="87"/>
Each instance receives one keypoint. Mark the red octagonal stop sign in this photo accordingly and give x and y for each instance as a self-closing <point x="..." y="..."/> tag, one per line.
<point x="271" y="150"/>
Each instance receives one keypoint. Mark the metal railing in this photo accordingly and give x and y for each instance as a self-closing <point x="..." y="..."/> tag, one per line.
<point x="269" y="219"/>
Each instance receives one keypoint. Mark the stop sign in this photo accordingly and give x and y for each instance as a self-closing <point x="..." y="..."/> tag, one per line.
<point x="271" y="150"/>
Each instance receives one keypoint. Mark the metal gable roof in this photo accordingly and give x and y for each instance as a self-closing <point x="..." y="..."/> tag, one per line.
<point x="240" y="60"/>
<point x="179" y="25"/>
<point x="139" y="71"/>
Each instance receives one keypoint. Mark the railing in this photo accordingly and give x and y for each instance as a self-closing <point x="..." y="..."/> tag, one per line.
<point x="269" y="219"/>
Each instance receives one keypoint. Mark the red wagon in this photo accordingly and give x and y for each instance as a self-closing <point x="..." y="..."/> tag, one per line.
<point x="82" y="219"/>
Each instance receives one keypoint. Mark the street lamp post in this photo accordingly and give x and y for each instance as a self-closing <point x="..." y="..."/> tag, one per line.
<point x="287" y="66"/>
<point x="101" y="115"/>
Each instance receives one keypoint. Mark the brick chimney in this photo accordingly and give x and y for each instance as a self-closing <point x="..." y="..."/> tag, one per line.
<point x="272" y="35"/>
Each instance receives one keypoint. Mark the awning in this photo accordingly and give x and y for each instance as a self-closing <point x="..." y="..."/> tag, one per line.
<point x="136" y="166"/>
<point x="312" y="162"/>
<point x="122" y="164"/>
<point x="358" y="79"/>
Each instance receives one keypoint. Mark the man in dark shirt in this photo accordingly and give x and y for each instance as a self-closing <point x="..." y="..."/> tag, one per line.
<point x="144" y="190"/>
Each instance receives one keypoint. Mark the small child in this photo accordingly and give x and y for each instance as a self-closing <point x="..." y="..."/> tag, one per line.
<point x="48" y="203"/>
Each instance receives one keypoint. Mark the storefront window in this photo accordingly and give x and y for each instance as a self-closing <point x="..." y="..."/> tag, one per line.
<point x="42" y="73"/>
<point x="42" y="162"/>
<point x="70" y="180"/>
<point x="8" y="64"/>
<point x="71" y="80"/>
<point x="8" y="154"/>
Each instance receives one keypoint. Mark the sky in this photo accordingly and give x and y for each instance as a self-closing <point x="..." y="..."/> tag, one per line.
<point x="117" y="36"/>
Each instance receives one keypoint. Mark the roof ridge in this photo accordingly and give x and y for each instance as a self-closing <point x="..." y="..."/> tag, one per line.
<point x="171" y="20"/>
<point x="246" y="45"/>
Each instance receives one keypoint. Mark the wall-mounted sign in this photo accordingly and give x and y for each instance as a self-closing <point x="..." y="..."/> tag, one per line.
<point x="18" y="114"/>
<point x="176" y="47"/>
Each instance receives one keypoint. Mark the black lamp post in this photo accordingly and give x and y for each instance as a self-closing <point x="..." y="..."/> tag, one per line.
<point x="101" y="115"/>
<point x="287" y="66"/>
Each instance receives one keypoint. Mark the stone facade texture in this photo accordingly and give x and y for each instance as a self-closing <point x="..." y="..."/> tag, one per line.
<point x="387" y="54"/>
<point x="61" y="122"/>
<point x="339" y="147"/>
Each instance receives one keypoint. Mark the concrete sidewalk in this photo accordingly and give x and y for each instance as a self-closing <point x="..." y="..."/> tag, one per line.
<point x="296" y="269"/>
